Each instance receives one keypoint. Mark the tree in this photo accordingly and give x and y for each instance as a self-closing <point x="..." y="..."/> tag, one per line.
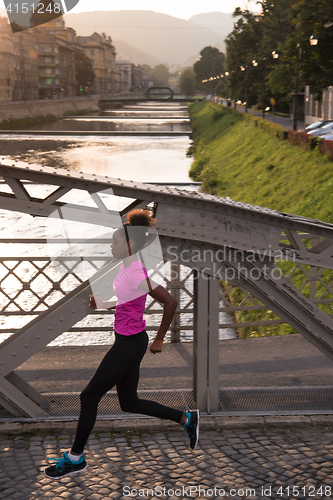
<point x="148" y="69"/>
<point x="316" y="65"/>
<point x="160" y="75"/>
<point x="83" y="69"/>
<point x="187" y="81"/>
<point x="210" y="65"/>
<point x="280" y="27"/>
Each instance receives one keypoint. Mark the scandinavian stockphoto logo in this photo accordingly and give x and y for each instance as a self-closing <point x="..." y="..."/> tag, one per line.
<point x="23" y="14"/>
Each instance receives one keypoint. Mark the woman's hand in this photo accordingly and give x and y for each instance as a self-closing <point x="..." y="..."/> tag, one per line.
<point x="156" y="346"/>
<point x="95" y="302"/>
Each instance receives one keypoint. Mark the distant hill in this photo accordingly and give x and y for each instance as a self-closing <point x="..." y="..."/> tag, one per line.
<point x="127" y="52"/>
<point x="164" y="38"/>
<point x="147" y="37"/>
<point x="222" y="24"/>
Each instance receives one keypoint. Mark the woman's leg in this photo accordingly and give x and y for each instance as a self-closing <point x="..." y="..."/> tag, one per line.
<point x="128" y="398"/>
<point x="129" y="401"/>
<point x="117" y="361"/>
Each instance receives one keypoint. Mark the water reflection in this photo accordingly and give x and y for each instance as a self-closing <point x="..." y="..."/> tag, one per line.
<point x="144" y="159"/>
<point x="100" y="124"/>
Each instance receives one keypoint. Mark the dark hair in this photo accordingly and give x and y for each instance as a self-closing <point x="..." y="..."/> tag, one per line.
<point x="134" y="228"/>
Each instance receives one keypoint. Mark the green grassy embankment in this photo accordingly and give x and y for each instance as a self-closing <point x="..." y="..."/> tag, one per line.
<point x="234" y="157"/>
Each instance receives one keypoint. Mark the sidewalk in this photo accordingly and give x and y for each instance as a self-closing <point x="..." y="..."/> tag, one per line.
<point x="285" y="460"/>
<point x="252" y="457"/>
<point x="285" y="122"/>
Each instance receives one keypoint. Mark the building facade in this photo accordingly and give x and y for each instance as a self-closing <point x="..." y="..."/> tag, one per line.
<point x="25" y="50"/>
<point x="6" y="61"/>
<point x="132" y="78"/>
<point x="39" y="62"/>
<point x="102" y="54"/>
<point x="64" y="42"/>
<point x="18" y="64"/>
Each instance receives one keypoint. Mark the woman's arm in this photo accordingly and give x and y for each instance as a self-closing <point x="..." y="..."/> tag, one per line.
<point x="96" y="303"/>
<point x="160" y="294"/>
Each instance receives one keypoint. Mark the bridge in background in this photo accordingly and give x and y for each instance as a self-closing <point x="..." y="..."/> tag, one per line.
<point x="239" y="243"/>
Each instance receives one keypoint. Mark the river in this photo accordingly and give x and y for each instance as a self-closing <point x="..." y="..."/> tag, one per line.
<point x="143" y="158"/>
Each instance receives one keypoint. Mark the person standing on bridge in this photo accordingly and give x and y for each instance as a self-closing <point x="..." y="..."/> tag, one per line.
<point x="120" y="366"/>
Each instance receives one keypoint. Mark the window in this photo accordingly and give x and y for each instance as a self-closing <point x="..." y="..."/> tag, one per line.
<point x="92" y="52"/>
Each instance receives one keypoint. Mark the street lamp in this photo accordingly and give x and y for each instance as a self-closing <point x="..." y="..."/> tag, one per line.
<point x="227" y="74"/>
<point x="244" y="68"/>
<point x="255" y="63"/>
<point x="313" y="41"/>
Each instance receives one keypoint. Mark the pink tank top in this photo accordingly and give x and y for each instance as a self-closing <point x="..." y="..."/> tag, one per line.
<point x="131" y="299"/>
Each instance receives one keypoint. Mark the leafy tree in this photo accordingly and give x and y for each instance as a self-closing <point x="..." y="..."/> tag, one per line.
<point x="187" y="81"/>
<point x="83" y="69"/>
<point x="210" y="65"/>
<point x="160" y="75"/>
<point x="147" y="68"/>
<point x="281" y="26"/>
<point x="244" y="44"/>
<point x="316" y="65"/>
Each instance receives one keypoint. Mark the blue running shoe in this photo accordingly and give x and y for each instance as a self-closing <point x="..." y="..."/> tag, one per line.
<point x="192" y="427"/>
<point x="64" y="466"/>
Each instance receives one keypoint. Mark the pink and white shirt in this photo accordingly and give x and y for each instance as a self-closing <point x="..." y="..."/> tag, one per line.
<point x="131" y="299"/>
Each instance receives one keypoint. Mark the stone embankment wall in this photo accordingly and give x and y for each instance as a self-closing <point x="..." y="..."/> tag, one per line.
<point x="57" y="107"/>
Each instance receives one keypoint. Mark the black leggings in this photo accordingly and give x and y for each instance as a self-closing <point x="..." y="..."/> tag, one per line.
<point x="120" y="367"/>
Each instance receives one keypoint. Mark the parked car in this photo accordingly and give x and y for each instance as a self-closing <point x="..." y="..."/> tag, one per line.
<point x="327" y="137"/>
<point x="319" y="131"/>
<point x="318" y="124"/>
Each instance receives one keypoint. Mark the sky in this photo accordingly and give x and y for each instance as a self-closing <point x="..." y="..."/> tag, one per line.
<point x="183" y="9"/>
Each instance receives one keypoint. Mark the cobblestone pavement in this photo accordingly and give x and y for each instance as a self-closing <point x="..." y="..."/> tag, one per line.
<point x="251" y="463"/>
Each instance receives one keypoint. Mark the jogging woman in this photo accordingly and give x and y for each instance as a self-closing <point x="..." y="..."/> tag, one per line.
<point x="120" y="366"/>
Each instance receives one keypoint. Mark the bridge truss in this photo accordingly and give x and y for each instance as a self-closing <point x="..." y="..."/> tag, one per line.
<point x="256" y="249"/>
